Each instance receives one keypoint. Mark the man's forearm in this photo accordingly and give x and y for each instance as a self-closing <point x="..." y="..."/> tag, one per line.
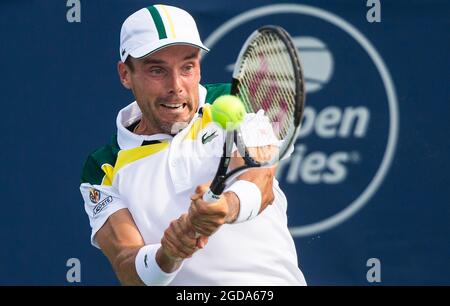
<point x="124" y="266"/>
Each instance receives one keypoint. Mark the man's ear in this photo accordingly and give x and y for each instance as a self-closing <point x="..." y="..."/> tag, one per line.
<point x="124" y="74"/>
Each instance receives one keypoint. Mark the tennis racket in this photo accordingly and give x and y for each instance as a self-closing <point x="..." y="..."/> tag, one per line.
<point x="268" y="78"/>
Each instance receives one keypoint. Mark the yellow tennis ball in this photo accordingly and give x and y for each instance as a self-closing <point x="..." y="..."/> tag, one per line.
<point x="228" y="111"/>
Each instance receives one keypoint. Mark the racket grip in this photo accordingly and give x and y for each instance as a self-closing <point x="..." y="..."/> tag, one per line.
<point x="210" y="197"/>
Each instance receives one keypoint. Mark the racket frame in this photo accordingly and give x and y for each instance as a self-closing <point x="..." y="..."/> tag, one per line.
<point x="222" y="174"/>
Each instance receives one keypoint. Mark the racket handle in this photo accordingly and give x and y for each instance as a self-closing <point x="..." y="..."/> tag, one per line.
<point x="210" y="197"/>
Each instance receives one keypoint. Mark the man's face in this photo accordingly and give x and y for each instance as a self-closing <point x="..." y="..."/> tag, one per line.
<point x="165" y="85"/>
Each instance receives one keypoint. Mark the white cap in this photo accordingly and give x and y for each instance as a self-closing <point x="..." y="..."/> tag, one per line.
<point x="155" y="27"/>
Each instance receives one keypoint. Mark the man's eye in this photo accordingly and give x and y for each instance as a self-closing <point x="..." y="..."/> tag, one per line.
<point x="156" y="71"/>
<point x="188" y="68"/>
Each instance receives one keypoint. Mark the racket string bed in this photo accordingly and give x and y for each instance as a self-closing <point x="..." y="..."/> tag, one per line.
<point x="268" y="70"/>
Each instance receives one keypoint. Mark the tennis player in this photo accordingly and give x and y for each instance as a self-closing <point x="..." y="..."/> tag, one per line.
<point x="143" y="191"/>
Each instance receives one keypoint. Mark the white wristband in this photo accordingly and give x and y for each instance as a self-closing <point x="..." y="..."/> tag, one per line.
<point x="148" y="269"/>
<point x="249" y="197"/>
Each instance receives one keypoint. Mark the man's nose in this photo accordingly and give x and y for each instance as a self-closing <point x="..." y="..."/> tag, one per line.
<point x="175" y="83"/>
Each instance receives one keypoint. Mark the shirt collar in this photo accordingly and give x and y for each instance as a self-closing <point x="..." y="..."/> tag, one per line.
<point x="130" y="114"/>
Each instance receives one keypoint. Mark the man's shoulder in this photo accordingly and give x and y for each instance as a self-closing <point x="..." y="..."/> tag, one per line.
<point x="216" y="90"/>
<point x="105" y="155"/>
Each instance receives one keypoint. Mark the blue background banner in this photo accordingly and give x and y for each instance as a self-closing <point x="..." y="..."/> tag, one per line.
<point x="367" y="181"/>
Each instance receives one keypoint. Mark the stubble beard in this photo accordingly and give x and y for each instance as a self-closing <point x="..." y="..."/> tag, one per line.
<point x="164" y="127"/>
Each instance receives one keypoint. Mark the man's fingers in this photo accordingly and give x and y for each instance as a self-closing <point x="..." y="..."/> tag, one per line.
<point x="205" y="218"/>
<point x="195" y="197"/>
<point x="201" y="189"/>
<point x="182" y="235"/>
<point x="178" y="240"/>
<point x="177" y="248"/>
<point x="202" y="241"/>
<point x="171" y="250"/>
<point x="205" y="229"/>
<point x="188" y="229"/>
<point x="203" y="224"/>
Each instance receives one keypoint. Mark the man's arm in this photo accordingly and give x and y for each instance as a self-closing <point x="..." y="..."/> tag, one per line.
<point x="261" y="177"/>
<point x="206" y="218"/>
<point x="120" y="240"/>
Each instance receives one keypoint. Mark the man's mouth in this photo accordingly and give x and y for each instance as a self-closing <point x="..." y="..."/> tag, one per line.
<point x="174" y="106"/>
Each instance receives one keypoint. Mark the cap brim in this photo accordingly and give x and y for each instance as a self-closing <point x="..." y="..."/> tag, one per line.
<point x="148" y="49"/>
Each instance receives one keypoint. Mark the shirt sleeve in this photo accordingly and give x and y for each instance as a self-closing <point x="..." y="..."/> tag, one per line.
<point x="100" y="202"/>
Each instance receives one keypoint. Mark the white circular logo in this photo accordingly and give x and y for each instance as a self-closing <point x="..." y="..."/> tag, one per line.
<point x="320" y="66"/>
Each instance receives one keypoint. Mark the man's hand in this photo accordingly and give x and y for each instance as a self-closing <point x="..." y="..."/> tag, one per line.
<point x="206" y="218"/>
<point x="180" y="240"/>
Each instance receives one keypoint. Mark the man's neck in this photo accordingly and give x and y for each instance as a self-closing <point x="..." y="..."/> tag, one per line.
<point x="143" y="128"/>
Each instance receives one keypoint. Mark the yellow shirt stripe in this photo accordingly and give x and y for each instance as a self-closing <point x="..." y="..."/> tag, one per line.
<point x="126" y="157"/>
<point x="169" y="19"/>
<point x="200" y="123"/>
<point x="109" y="170"/>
